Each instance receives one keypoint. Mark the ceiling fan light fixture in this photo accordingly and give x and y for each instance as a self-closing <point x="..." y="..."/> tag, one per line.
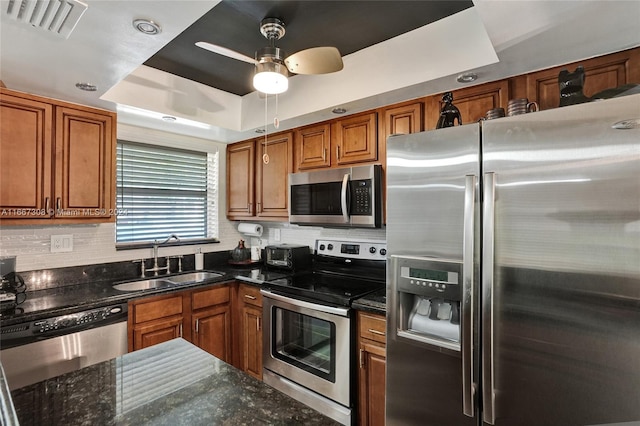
<point x="271" y="78"/>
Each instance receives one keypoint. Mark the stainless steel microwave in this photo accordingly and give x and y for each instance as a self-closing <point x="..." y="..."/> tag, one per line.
<point x="350" y="196"/>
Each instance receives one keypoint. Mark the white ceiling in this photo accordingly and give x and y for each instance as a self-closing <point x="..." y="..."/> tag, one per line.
<point x="495" y="39"/>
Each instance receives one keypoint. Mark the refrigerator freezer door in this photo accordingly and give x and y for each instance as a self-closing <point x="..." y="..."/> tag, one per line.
<point x="427" y="178"/>
<point x="565" y="292"/>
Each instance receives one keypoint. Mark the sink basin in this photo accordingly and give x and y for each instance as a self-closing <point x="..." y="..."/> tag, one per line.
<point x="143" y="285"/>
<point x="165" y="282"/>
<point x="194" y="277"/>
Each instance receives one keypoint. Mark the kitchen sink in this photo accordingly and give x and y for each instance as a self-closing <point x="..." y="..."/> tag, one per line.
<point x="143" y="285"/>
<point x="166" y="282"/>
<point x="194" y="277"/>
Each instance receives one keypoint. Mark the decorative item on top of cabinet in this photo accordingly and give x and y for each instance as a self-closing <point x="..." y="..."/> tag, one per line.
<point x="312" y="147"/>
<point x="355" y="139"/>
<point x="372" y="369"/>
<point x="571" y="84"/>
<point x="57" y="163"/>
<point x="601" y="73"/>
<point x="449" y="113"/>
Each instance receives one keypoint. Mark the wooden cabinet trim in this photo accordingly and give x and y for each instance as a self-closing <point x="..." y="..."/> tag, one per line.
<point x="210" y="297"/>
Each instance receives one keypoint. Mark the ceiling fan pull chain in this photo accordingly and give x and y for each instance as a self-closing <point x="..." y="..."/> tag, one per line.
<point x="265" y="156"/>
<point x="276" y="122"/>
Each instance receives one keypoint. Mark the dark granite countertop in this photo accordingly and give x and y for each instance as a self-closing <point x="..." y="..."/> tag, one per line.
<point x="98" y="293"/>
<point x="375" y="302"/>
<point x="172" y="383"/>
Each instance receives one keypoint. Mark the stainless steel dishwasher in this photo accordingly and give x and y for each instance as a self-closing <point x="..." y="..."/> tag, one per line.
<point x="44" y="348"/>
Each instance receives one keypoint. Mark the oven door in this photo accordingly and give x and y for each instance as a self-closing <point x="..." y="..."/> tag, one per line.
<point x="309" y="344"/>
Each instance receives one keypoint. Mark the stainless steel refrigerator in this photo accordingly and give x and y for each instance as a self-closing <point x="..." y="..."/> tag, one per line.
<point x="513" y="290"/>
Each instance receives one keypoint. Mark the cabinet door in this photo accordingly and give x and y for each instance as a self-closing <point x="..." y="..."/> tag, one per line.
<point x="272" y="178"/>
<point x="311" y="148"/>
<point x="211" y="331"/>
<point x="25" y="158"/>
<point x="473" y="102"/>
<point x="356" y="139"/>
<point x="403" y="119"/>
<point x="85" y="153"/>
<point x="240" y="179"/>
<point x="252" y="341"/>
<point x="152" y="333"/>
<point x="372" y="384"/>
<point x="606" y="72"/>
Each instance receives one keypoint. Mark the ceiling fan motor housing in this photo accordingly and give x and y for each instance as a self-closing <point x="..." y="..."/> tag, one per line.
<point x="272" y="29"/>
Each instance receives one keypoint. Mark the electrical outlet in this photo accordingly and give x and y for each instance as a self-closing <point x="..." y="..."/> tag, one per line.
<point x="61" y="243"/>
<point x="276" y="234"/>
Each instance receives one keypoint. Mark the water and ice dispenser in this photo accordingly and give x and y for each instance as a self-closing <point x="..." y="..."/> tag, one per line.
<point x="428" y="293"/>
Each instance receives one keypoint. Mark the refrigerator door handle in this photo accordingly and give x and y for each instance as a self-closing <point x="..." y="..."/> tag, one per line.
<point x="468" y="285"/>
<point x="488" y="370"/>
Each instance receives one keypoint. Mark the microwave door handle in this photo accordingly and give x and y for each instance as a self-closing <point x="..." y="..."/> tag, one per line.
<point x="343" y="198"/>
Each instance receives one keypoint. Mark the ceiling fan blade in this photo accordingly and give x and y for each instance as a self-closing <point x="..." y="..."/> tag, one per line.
<point x="316" y="60"/>
<point x="225" y="52"/>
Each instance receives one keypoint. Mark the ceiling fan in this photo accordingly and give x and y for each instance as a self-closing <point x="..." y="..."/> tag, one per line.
<point x="273" y="67"/>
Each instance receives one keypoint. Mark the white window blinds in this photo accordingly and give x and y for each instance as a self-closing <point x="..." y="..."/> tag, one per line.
<point x="163" y="191"/>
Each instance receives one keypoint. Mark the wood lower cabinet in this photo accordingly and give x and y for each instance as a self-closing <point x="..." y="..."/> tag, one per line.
<point x="155" y="320"/>
<point x="250" y="329"/>
<point x="57" y="161"/>
<point x="211" y="321"/>
<point x="372" y="368"/>
<point x="201" y="316"/>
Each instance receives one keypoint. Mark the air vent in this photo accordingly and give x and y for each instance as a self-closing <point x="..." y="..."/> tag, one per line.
<point x="56" y="16"/>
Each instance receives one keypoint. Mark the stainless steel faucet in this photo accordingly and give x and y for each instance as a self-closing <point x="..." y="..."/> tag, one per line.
<point x="157" y="244"/>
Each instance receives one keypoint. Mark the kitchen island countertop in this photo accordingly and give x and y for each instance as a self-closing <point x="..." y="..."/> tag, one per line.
<point x="172" y="383"/>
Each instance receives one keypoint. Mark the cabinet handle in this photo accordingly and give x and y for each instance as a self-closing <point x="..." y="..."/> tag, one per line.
<point x="338" y="151"/>
<point x="180" y="329"/>
<point x="58" y="203"/>
<point x="361" y="358"/>
<point x="197" y="325"/>
<point x="249" y="208"/>
<point x="248" y="296"/>
<point x="258" y="324"/>
<point x="259" y="208"/>
<point x="46" y="205"/>
<point x="324" y="153"/>
<point x="379" y="333"/>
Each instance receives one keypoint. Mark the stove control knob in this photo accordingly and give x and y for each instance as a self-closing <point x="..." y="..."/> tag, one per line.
<point x="321" y="247"/>
<point x="383" y="252"/>
<point x="330" y="247"/>
<point x="372" y="250"/>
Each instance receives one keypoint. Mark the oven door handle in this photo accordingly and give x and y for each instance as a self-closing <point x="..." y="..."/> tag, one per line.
<point x="344" y="312"/>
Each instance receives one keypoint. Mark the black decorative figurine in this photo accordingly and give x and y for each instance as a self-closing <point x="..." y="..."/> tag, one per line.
<point x="571" y="87"/>
<point x="449" y="112"/>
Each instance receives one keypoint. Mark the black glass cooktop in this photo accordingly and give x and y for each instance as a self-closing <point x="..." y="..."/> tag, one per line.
<point x="323" y="287"/>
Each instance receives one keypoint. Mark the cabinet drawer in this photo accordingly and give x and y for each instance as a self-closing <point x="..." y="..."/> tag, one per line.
<point x="373" y="327"/>
<point x="166" y="307"/>
<point x="210" y="297"/>
<point x="250" y="295"/>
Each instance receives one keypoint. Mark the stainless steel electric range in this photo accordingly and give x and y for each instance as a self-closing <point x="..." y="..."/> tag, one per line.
<point x="309" y="333"/>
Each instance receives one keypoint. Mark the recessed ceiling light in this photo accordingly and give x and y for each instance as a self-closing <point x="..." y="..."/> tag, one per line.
<point x="338" y="110"/>
<point x="168" y="118"/>
<point x="467" y="77"/>
<point x="259" y="130"/>
<point x="87" y="87"/>
<point x="147" y="26"/>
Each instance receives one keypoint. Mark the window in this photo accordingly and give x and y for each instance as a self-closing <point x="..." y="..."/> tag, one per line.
<point x="163" y="191"/>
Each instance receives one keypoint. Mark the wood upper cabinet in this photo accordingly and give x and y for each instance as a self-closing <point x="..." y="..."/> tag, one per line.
<point x="372" y="369"/>
<point x="312" y="147"/>
<point x="355" y="139"/>
<point x="272" y="178"/>
<point x="57" y="161"/>
<point x="605" y="72"/>
<point x="84" y="163"/>
<point x="241" y="180"/>
<point x="26" y="154"/>
<point x="250" y="329"/>
<point x="403" y="119"/>
<point x="473" y="102"/>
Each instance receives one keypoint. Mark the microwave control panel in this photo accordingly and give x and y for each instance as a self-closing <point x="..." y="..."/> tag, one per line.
<point x="361" y="197"/>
